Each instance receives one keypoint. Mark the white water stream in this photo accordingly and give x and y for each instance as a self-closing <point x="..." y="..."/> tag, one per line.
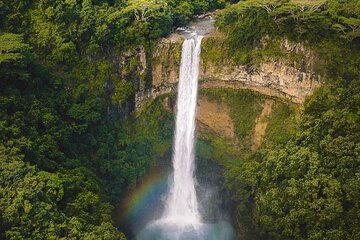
<point x="181" y="219"/>
<point x="182" y="204"/>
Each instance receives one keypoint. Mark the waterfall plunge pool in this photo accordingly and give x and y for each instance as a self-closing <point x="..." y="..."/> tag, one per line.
<point x="159" y="230"/>
<point x="137" y="213"/>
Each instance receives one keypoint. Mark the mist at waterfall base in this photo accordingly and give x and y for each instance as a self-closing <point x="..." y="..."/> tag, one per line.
<point x="181" y="218"/>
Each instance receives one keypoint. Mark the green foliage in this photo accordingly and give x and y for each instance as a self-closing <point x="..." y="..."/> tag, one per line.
<point x="251" y="23"/>
<point x="64" y="157"/>
<point x="304" y="188"/>
<point x="282" y="123"/>
<point x="214" y="51"/>
<point x="300" y="184"/>
<point x="42" y="205"/>
<point x="67" y="150"/>
<point x="182" y="11"/>
<point x="65" y="153"/>
<point x="122" y="90"/>
<point x="48" y="186"/>
<point x="245" y="107"/>
<point x="214" y="148"/>
<point x="347" y="14"/>
<point x="12" y="47"/>
<point x="217" y="52"/>
<point x="63" y="31"/>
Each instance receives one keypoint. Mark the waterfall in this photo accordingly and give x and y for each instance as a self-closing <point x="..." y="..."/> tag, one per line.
<point x="182" y="204"/>
<point x="181" y="219"/>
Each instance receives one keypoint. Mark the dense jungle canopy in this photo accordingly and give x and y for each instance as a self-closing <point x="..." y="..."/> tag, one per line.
<point x="70" y="144"/>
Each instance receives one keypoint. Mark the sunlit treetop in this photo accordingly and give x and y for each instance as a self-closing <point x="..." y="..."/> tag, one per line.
<point x="12" y="47"/>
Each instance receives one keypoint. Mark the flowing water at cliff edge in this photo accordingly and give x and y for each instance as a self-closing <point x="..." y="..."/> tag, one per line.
<point x="181" y="219"/>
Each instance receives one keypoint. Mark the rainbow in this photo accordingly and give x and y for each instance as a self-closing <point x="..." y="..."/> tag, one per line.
<point x="140" y="200"/>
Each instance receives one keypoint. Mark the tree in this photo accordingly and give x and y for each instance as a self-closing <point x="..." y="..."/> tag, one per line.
<point x="144" y="9"/>
<point x="305" y="188"/>
<point x="12" y="47"/>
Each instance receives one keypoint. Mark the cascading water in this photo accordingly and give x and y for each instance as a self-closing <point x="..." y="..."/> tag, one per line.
<point x="182" y="205"/>
<point x="181" y="219"/>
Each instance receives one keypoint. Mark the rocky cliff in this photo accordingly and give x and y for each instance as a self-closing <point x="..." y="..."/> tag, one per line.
<point x="292" y="80"/>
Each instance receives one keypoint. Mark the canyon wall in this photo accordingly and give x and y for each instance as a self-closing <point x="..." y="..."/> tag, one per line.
<point x="293" y="81"/>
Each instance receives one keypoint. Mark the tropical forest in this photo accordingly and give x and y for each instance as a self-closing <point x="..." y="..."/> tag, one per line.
<point x="180" y="119"/>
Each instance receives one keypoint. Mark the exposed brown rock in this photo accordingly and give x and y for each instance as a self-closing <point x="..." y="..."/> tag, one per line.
<point x="275" y="78"/>
<point x="215" y="116"/>
<point x="261" y="124"/>
<point x="166" y="61"/>
<point x="279" y="78"/>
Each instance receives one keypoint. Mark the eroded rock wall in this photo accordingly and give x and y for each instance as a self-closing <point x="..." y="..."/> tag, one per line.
<point x="215" y="116"/>
<point x="164" y="63"/>
<point x="284" y="78"/>
<point x="280" y="78"/>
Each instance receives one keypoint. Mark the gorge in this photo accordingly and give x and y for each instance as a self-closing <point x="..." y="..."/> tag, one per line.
<point x="105" y="134"/>
<point x="176" y="214"/>
<point x="278" y="83"/>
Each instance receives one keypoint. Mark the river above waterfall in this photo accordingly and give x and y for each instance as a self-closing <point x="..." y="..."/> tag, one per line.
<point x="203" y="25"/>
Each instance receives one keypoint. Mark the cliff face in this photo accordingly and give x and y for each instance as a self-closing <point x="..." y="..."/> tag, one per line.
<point x="293" y="80"/>
<point x="164" y="64"/>
<point x="215" y="116"/>
<point x="281" y="78"/>
<point x="273" y="79"/>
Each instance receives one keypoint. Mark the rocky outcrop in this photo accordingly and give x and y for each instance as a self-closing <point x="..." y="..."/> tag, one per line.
<point x="280" y="78"/>
<point x="214" y="116"/>
<point x="274" y="79"/>
<point x="293" y="80"/>
<point x="261" y="125"/>
<point x="165" y="63"/>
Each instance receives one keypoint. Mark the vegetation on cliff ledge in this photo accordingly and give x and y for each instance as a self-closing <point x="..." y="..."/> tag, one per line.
<point x="252" y="31"/>
<point x="305" y="187"/>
